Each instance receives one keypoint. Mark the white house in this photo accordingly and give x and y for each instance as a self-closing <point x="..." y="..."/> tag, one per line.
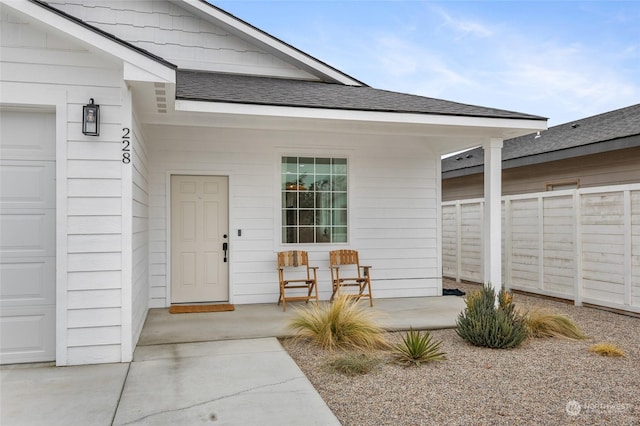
<point x="211" y="133"/>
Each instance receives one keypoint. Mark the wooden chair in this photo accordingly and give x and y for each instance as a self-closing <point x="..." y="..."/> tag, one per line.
<point x="346" y="271"/>
<point x="295" y="265"/>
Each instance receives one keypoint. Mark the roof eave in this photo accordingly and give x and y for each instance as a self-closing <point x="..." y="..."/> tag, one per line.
<point x="521" y="125"/>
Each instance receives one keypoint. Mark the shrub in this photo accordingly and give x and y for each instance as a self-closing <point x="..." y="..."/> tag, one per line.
<point x="353" y="364"/>
<point x="542" y="323"/>
<point x="417" y="347"/>
<point x="340" y="324"/>
<point x="607" y="349"/>
<point x="482" y="323"/>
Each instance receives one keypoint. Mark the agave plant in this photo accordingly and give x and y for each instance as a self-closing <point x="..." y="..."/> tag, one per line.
<point x="417" y="348"/>
<point x="484" y="324"/>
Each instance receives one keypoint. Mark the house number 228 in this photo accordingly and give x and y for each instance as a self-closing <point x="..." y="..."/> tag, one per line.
<point x="126" y="145"/>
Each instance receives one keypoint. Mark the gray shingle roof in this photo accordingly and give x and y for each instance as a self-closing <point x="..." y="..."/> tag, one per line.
<point x="603" y="128"/>
<point x="242" y="89"/>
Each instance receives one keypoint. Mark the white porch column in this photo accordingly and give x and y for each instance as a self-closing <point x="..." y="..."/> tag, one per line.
<point x="493" y="213"/>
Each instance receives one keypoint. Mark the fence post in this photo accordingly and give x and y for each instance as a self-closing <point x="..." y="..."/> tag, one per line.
<point x="577" y="238"/>
<point x="627" y="247"/>
<point x="540" y="243"/>
<point x="507" y="243"/>
<point x="458" y="241"/>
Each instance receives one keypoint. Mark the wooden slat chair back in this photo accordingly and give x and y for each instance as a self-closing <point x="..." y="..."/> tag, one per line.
<point x="294" y="272"/>
<point x="357" y="276"/>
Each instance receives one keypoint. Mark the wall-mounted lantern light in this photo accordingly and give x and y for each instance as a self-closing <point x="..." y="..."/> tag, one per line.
<point x="91" y="119"/>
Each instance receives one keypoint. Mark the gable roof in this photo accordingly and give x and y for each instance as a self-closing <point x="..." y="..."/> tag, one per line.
<point x="272" y="44"/>
<point x="105" y="34"/>
<point x="609" y="131"/>
<point x="232" y="88"/>
<point x="336" y="95"/>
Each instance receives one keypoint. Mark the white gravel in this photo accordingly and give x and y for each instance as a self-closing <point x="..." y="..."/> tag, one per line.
<point x="543" y="382"/>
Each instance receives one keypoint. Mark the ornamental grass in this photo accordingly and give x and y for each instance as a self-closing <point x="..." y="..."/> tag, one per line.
<point x="544" y="323"/>
<point x="341" y="324"/>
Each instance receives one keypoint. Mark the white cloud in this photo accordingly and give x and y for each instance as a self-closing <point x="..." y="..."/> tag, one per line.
<point x="464" y="26"/>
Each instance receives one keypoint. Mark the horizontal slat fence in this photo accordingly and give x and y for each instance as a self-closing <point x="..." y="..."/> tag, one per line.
<point x="582" y="245"/>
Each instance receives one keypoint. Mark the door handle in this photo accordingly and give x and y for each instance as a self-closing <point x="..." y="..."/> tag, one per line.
<point x="225" y="247"/>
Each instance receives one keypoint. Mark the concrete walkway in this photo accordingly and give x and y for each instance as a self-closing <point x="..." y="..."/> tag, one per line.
<point x="188" y="369"/>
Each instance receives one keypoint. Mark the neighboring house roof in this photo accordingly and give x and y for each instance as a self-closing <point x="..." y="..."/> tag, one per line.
<point x="233" y="88"/>
<point x="610" y="131"/>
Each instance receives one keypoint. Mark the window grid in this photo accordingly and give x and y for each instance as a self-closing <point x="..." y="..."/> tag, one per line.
<point x="314" y="200"/>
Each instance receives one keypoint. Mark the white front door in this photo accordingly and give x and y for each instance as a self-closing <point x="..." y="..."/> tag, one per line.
<point x="199" y="233"/>
<point x="27" y="236"/>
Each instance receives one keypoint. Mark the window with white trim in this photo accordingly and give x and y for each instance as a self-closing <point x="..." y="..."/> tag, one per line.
<point x="314" y="200"/>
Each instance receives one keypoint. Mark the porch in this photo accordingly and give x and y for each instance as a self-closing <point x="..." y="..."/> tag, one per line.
<point x="268" y="320"/>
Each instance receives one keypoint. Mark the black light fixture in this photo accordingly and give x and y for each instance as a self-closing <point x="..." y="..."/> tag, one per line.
<point x="91" y="119"/>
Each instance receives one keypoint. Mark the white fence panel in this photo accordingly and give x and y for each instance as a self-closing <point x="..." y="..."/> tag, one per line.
<point x="582" y="245"/>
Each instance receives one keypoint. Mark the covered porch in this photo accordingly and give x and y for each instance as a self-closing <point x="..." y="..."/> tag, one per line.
<point x="254" y="321"/>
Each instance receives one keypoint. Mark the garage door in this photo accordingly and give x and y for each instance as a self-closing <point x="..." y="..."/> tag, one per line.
<point x="27" y="236"/>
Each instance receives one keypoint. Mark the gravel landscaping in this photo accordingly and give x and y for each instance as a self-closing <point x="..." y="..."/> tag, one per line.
<point x="544" y="381"/>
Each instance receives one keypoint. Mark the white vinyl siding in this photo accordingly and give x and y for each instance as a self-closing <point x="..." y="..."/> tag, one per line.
<point x="173" y="33"/>
<point x="36" y="62"/>
<point x="393" y="213"/>
<point x="140" y="240"/>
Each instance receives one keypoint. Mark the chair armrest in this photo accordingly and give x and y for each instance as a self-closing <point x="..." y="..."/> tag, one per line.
<point x="365" y="270"/>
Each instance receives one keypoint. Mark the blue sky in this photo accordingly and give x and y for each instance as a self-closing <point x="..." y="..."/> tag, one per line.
<point x="559" y="59"/>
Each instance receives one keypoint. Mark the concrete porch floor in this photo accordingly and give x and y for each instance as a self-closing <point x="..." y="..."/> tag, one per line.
<point x="268" y="320"/>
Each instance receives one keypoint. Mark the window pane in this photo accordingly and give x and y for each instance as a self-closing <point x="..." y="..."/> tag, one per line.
<point x="306" y="235"/>
<point x="289" y="235"/>
<point x="306" y="217"/>
<point x="322" y="183"/>
<point x="323" y="217"/>
<point x="340" y="217"/>
<point x="340" y="234"/>
<point x="306" y="200"/>
<point x="289" y="217"/>
<point x="323" y="234"/>
<point x="339" y="183"/>
<point x="323" y="200"/>
<point x="339" y="166"/>
<point x="290" y="200"/>
<point x="305" y="165"/>
<point x="323" y="166"/>
<point x="290" y="165"/>
<point x="340" y="200"/>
